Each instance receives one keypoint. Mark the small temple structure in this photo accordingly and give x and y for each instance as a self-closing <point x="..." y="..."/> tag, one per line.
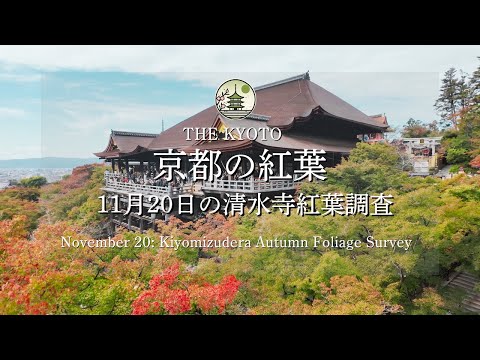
<point x="377" y="137"/>
<point x="424" y="154"/>
<point x="309" y="117"/>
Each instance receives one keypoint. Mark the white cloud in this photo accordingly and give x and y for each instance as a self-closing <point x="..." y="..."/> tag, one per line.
<point x="76" y="128"/>
<point x="85" y="115"/>
<point x="27" y="151"/>
<point x="216" y="58"/>
<point x="7" y="113"/>
<point x="400" y="80"/>
<point x="347" y="71"/>
<point x="20" y="77"/>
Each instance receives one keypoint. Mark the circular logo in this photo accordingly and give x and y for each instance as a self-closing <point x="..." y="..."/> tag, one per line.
<point x="235" y="99"/>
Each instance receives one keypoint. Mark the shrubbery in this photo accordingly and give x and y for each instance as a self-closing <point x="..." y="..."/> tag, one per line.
<point x="442" y="218"/>
<point x="34" y="181"/>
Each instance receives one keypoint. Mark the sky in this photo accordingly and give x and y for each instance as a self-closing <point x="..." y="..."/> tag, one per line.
<point x="64" y="100"/>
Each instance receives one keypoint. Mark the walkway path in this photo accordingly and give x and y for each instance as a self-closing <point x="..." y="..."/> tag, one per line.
<point x="468" y="283"/>
<point x="444" y="172"/>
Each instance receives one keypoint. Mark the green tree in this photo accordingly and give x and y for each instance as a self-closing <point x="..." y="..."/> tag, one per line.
<point x="34" y="181"/>
<point x="470" y="129"/>
<point x="433" y="128"/>
<point x="475" y="85"/>
<point x="457" y="156"/>
<point x="447" y="103"/>
<point x="370" y="167"/>
<point x="464" y="91"/>
<point x="382" y="154"/>
<point x="416" y="128"/>
<point x="430" y="303"/>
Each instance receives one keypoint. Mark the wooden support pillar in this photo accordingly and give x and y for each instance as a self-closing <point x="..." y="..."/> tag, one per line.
<point x="127" y="168"/>
<point x="141" y="225"/>
<point x="185" y="163"/>
<point x="129" y="221"/>
<point x="141" y="168"/>
<point x="111" y="228"/>
<point x="153" y="217"/>
<point x="113" y="165"/>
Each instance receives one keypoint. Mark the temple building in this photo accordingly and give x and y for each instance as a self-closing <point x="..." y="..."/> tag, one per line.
<point x="377" y="137"/>
<point x="308" y="116"/>
<point x="124" y="142"/>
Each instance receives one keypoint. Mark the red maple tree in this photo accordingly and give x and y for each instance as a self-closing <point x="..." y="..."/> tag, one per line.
<point x="168" y="294"/>
<point x="475" y="163"/>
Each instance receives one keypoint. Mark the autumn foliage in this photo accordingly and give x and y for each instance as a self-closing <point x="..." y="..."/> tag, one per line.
<point x="78" y="177"/>
<point x="35" y="274"/>
<point x="39" y="276"/>
<point x="475" y="163"/>
<point x="20" y="201"/>
<point x="171" y="294"/>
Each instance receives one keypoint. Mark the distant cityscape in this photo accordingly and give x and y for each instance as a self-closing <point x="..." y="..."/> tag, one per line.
<point x="52" y="168"/>
<point x="52" y="175"/>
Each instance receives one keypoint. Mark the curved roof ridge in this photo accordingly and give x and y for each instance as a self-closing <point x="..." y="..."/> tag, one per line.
<point x="132" y="133"/>
<point x="334" y="105"/>
<point x="261" y="117"/>
<point x="304" y="76"/>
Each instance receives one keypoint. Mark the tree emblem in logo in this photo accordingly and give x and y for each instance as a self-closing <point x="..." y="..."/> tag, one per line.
<point x="235" y="99"/>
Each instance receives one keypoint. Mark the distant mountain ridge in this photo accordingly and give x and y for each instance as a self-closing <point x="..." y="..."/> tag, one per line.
<point x="47" y="162"/>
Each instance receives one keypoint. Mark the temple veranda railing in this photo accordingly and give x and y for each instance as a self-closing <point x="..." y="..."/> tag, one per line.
<point x="114" y="183"/>
<point x="249" y="186"/>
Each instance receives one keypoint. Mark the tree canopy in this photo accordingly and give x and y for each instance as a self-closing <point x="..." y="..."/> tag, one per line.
<point x="34" y="181"/>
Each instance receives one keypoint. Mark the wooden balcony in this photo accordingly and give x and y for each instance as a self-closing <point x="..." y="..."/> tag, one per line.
<point x="220" y="186"/>
<point x="113" y="185"/>
<point x="249" y="186"/>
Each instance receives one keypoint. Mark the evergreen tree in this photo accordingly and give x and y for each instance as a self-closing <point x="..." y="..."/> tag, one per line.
<point x="475" y="85"/>
<point x="464" y="91"/>
<point x="447" y="103"/>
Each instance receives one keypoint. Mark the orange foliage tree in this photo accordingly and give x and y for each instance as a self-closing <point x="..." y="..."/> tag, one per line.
<point x="32" y="272"/>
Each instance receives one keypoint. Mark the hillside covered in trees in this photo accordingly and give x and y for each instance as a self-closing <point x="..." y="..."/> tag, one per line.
<point x="458" y="106"/>
<point x="442" y="218"/>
